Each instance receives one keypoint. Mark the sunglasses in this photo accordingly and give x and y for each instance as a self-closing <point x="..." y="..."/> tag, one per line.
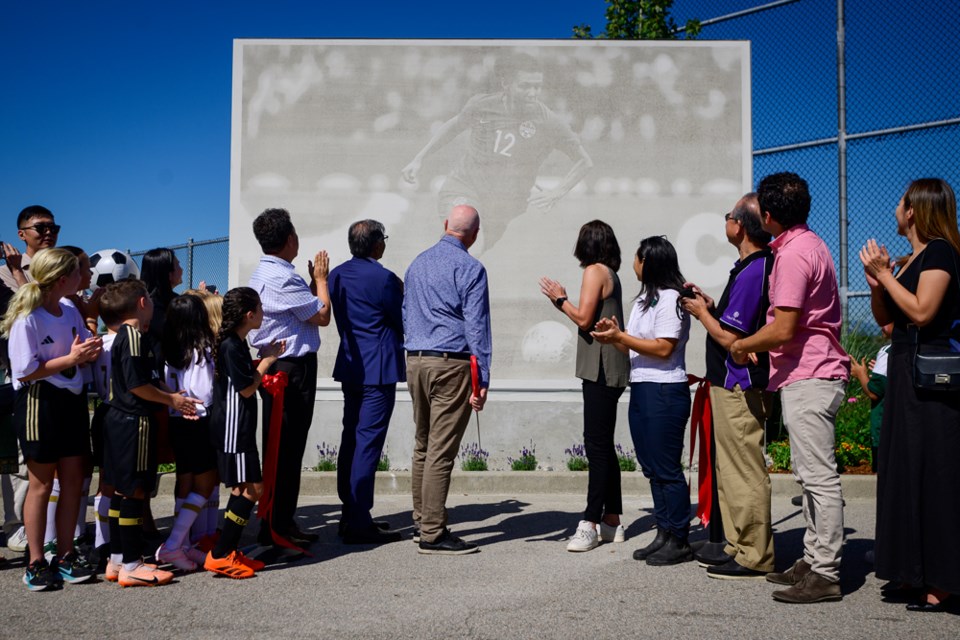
<point x="43" y="228"/>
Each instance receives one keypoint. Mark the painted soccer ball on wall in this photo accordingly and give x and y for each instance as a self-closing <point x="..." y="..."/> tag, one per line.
<point x="111" y="265"/>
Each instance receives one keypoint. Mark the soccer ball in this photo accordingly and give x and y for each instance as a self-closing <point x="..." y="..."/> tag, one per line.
<point x="111" y="265"/>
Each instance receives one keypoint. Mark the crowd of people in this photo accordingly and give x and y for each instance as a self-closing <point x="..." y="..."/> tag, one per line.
<point x="181" y="365"/>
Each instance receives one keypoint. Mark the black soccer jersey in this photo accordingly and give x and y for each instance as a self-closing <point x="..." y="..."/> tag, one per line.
<point x="132" y="365"/>
<point x="233" y="418"/>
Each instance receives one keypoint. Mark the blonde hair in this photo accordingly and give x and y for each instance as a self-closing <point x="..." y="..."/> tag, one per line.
<point x="934" y="210"/>
<point x="47" y="267"/>
<point x="214" y="304"/>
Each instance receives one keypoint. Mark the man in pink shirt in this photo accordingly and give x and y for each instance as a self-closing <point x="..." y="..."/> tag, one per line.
<point x="810" y="369"/>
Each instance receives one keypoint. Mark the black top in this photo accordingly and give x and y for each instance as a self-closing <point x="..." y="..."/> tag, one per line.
<point x="132" y="365"/>
<point x="233" y="418"/>
<point x="742" y="308"/>
<point x="945" y="326"/>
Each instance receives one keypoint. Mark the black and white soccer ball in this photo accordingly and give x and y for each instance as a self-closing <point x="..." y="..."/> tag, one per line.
<point x="111" y="265"/>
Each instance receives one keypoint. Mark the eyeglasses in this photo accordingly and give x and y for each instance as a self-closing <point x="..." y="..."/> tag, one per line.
<point x="729" y="216"/>
<point x="385" y="238"/>
<point x="43" y="228"/>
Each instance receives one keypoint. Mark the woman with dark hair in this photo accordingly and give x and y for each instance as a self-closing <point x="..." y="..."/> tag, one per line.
<point x="656" y="338"/>
<point x="161" y="272"/>
<point x="604" y="371"/>
<point x="918" y="485"/>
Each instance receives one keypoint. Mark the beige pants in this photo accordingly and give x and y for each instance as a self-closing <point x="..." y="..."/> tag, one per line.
<point x="743" y="483"/>
<point x="810" y="412"/>
<point x="440" y="390"/>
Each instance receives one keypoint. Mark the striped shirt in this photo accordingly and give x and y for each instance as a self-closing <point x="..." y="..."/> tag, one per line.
<point x="446" y="304"/>
<point x="287" y="305"/>
<point x="233" y="418"/>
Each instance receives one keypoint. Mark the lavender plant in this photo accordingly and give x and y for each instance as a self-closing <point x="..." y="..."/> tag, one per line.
<point x="326" y="457"/>
<point x="577" y="458"/>
<point x="473" y="458"/>
<point x="627" y="459"/>
<point x="527" y="460"/>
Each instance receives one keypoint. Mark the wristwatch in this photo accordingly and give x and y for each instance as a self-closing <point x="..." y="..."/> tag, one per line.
<point x="559" y="301"/>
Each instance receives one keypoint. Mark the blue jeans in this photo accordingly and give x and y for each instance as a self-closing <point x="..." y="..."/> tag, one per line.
<point x="658" y="418"/>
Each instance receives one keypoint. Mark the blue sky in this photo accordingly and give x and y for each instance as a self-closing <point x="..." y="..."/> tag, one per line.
<point x="116" y="115"/>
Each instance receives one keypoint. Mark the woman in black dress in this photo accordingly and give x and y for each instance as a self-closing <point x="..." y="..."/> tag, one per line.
<point x="918" y="486"/>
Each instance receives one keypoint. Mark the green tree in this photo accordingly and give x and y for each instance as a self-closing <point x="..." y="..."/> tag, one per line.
<point x="640" y="20"/>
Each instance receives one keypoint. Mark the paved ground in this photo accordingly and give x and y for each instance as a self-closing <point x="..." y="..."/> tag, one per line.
<point x="523" y="584"/>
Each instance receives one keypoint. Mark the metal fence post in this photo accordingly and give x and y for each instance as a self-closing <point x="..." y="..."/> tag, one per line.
<point x="842" y="158"/>
<point x="190" y="262"/>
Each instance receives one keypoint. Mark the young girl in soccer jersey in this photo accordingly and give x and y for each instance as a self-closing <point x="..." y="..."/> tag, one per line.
<point x="233" y="426"/>
<point x="188" y="346"/>
<point x="48" y="344"/>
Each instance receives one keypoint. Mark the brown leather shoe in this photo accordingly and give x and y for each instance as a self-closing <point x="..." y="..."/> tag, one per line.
<point x="791" y="576"/>
<point x="811" y="588"/>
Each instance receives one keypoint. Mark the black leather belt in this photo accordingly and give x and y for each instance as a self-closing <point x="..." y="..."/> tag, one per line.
<point x="451" y="355"/>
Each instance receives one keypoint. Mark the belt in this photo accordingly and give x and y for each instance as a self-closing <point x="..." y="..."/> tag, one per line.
<point x="451" y="355"/>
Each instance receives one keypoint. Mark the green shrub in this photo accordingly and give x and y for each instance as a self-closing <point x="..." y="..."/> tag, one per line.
<point x="473" y="458"/>
<point x="627" y="461"/>
<point x="527" y="460"/>
<point x="779" y="453"/>
<point x="577" y="458"/>
<point x="384" y="463"/>
<point x="327" y="457"/>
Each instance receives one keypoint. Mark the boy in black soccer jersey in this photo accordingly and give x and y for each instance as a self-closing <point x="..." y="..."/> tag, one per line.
<point x="129" y="431"/>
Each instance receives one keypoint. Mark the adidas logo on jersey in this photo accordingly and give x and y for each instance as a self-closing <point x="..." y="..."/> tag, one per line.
<point x="47" y="340"/>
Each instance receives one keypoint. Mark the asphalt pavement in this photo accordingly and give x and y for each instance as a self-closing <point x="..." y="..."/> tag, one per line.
<point x="522" y="584"/>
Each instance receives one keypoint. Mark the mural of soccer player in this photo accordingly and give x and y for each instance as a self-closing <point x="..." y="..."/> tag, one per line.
<point x="511" y="134"/>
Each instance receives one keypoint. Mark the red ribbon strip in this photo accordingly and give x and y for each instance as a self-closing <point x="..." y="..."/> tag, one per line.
<point x="274" y="384"/>
<point x="475" y="375"/>
<point x="701" y="421"/>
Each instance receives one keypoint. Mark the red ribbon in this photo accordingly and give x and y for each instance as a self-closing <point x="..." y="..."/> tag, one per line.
<point x="701" y="421"/>
<point x="274" y="384"/>
<point x="475" y="375"/>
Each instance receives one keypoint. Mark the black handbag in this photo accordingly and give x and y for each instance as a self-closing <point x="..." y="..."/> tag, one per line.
<point x="935" y="370"/>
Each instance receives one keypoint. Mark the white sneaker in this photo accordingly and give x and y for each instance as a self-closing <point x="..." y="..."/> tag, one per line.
<point x="610" y="533"/>
<point x="585" y="538"/>
<point x="17" y="541"/>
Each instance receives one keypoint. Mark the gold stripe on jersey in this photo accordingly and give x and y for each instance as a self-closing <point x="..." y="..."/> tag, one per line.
<point x="131" y="522"/>
<point x="143" y="442"/>
<point x="113" y="513"/>
<point x="133" y="339"/>
<point x="33" y="413"/>
<point x="191" y="507"/>
<point x="53" y="498"/>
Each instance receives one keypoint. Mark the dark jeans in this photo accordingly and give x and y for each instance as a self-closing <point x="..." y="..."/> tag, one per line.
<point x="298" y="400"/>
<point x="658" y="418"/>
<point x="366" y="416"/>
<point x="599" y="424"/>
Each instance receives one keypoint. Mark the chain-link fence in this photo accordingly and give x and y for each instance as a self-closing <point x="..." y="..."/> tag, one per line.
<point x="202" y="261"/>
<point x="857" y="96"/>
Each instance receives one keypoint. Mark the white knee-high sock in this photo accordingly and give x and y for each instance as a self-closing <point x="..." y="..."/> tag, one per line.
<point x="189" y="510"/>
<point x="81" y="527"/>
<point x="101" y="505"/>
<point x="51" y="532"/>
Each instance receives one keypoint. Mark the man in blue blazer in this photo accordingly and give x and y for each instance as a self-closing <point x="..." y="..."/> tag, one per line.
<point x="367" y="302"/>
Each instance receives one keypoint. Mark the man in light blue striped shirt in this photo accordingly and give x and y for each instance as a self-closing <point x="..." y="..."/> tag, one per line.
<point x="292" y="311"/>
<point x="446" y="318"/>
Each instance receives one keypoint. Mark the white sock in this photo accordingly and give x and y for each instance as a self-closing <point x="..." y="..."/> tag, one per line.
<point x="116" y="558"/>
<point x="81" y="527"/>
<point x="189" y="510"/>
<point x="50" y="534"/>
<point x="213" y="511"/>
<point x="130" y="566"/>
<point x="101" y="504"/>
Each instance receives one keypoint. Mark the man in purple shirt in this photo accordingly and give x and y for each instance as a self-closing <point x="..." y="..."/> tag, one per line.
<point x="446" y="318"/>
<point x="739" y="398"/>
<point x="810" y="369"/>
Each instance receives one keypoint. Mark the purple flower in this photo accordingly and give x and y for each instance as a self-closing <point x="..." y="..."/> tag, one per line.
<point x="851" y="399"/>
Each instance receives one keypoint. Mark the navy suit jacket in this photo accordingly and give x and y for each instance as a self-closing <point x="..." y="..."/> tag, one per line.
<point x="367" y="301"/>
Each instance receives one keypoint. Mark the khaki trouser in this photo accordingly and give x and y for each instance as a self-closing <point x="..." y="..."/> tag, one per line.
<point x="810" y="412"/>
<point x="743" y="483"/>
<point x="440" y="390"/>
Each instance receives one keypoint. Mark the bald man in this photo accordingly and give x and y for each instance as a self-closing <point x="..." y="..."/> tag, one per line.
<point x="446" y="318"/>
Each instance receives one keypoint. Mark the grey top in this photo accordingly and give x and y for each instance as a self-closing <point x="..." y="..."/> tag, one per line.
<point x="590" y="353"/>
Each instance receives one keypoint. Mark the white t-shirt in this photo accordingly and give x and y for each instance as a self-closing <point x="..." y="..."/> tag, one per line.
<point x="196" y="380"/>
<point x="41" y="336"/>
<point x="880" y="366"/>
<point x="660" y="320"/>
<point x="102" y="368"/>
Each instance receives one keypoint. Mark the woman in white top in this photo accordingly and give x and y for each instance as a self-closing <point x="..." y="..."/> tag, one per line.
<point x="656" y="339"/>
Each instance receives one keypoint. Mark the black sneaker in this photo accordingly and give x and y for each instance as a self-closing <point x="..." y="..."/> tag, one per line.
<point x="74" y="568"/>
<point x="416" y="533"/>
<point x="448" y="545"/>
<point x="39" y="576"/>
<point x="731" y="570"/>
